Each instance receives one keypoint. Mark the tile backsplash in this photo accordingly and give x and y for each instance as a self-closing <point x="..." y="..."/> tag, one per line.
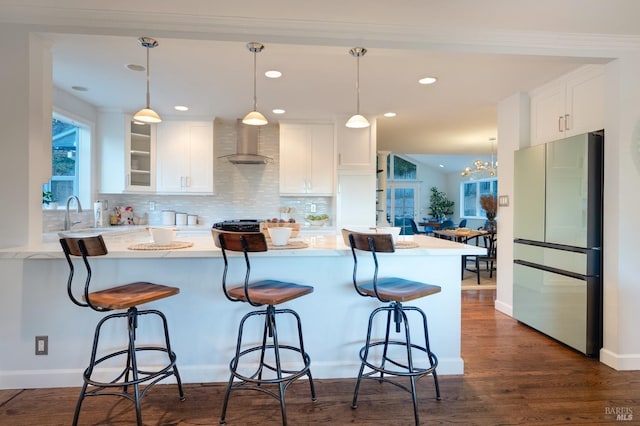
<point x="242" y="191"/>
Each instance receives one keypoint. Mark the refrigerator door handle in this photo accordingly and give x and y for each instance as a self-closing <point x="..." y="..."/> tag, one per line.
<point x="551" y="269"/>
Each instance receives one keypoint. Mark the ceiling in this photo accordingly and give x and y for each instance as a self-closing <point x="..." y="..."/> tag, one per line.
<point x="208" y="68"/>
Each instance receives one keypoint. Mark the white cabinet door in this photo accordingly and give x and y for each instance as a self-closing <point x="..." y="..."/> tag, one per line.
<point x="585" y="102"/>
<point x="568" y="106"/>
<point x="306" y="159"/>
<point x="294" y="153"/>
<point x="547" y="113"/>
<point x="185" y="157"/>
<point x="356" y="200"/>
<point x="321" y="163"/>
<point x="356" y="147"/>
<point x="171" y="157"/>
<point x="200" y="175"/>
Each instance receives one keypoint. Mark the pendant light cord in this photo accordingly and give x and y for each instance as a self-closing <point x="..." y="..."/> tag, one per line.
<point x="148" y="95"/>
<point x="255" y="97"/>
<point x="357" y="84"/>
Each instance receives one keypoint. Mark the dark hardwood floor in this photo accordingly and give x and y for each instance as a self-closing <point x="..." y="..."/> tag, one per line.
<point x="513" y="376"/>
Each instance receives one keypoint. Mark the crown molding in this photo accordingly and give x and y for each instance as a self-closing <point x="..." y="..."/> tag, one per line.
<point x="48" y="18"/>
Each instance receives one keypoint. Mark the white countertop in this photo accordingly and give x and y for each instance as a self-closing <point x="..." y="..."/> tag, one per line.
<point x="118" y="243"/>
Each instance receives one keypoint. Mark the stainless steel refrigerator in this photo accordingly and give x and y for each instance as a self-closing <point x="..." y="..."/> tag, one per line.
<point x="557" y="284"/>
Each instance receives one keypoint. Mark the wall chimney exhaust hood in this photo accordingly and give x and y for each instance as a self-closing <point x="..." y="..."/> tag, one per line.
<point x="247" y="146"/>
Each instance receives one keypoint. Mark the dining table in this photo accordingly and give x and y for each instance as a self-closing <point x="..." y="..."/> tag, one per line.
<point x="458" y="235"/>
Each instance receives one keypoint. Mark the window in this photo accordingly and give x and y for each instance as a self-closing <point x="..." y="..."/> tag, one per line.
<point x="470" y="193"/>
<point x="70" y="144"/>
<point x="403" y="192"/>
<point x="399" y="168"/>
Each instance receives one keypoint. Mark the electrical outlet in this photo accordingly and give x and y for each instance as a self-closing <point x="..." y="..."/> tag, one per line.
<point x="152" y="206"/>
<point x="42" y="345"/>
<point x="313" y="208"/>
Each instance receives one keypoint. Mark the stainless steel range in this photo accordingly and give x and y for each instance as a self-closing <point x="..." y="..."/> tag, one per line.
<point x="239" y="225"/>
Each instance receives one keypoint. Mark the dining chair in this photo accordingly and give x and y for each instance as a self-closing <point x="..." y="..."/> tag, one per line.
<point x="490" y="242"/>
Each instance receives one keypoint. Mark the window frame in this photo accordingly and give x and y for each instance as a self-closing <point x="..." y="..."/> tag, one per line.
<point x="479" y="212"/>
<point x="83" y="181"/>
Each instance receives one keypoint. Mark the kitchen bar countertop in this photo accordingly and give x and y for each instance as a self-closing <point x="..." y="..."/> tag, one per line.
<point x="118" y="243"/>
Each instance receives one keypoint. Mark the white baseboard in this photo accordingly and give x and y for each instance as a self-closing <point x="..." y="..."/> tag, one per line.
<point x="31" y="379"/>
<point x="620" y="362"/>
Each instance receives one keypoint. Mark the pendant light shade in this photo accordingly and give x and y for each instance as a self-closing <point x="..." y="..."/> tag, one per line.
<point x="357" y="121"/>
<point x="147" y="115"/>
<point x="254" y="118"/>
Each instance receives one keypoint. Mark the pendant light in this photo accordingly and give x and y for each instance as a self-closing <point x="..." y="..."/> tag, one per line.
<point x="147" y="115"/>
<point x="254" y="118"/>
<point x="357" y="121"/>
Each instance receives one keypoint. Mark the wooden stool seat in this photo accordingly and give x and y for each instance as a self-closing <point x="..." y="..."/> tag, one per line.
<point x="399" y="289"/>
<point x="271" y="292"/>
<point x="128" y="295"/>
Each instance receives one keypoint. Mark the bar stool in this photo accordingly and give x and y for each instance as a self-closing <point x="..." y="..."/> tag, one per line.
<point x="128" y="297"/>
<point x="260" y="293"/>
<point x="394" y="291"/>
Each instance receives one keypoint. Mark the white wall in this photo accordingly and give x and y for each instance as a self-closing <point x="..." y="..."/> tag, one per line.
<point x="513" y="133"/>
<point x="25" y="107"/>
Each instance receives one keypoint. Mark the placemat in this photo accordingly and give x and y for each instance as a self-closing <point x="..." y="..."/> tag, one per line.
<point x="406" y="244"/>
<point x="153" y="246"/>
<point x="290" y="245"/>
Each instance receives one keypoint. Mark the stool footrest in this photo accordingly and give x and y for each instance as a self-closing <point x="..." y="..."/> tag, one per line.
<point x="256" y="378"/>
<point x="417" y="371"/>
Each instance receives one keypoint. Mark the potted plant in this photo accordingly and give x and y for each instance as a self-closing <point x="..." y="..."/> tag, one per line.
<point x="489" y="204"/>
<point x="440" y="206"/>
<point x="49" y="201"/>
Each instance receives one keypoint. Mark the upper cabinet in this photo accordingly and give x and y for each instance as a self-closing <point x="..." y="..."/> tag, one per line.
<point x="568" y="106"/>
<point x="140" y="152"/>
<point x="185" y="157"/>
<point x="307" y="159"/>
<point x="127" y="154"/>
<point x="356" y="147"/>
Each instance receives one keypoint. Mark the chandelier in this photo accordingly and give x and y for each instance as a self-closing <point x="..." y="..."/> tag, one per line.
<point x="479" y="166"/>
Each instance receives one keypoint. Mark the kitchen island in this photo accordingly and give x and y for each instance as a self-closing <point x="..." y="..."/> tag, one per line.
<point x="202" y="322"/>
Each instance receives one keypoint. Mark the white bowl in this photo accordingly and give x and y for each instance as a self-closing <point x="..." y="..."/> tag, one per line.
<point x="393" y="230"/>
<point x="317" y="222"/>
<point x="163" y="236"/>
<point x="279" y="236"/>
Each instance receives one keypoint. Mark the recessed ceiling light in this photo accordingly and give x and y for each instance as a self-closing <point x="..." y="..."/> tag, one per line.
<point x="135" y="67"/>
<point x="441" y="165"/>
<point x="79" y="88"/>
<point x="181" y="108"/>
<point x="390" y="114"/>
<point x="427" y="80"/>
<point x="273" y="74"/>
<point x="278" y="111"/>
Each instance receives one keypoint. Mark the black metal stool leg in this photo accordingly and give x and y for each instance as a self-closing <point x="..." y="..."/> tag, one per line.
<point x="432" y="358"/>
<point x="130" y="374"/>
<point x="364" y="353"/>
<point x="404" y="369"/>
<point x="284" y="377"/>
<point x="302" y="351"/>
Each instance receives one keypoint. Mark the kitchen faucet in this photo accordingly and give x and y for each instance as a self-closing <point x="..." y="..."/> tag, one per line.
<point x="67" y="223"/>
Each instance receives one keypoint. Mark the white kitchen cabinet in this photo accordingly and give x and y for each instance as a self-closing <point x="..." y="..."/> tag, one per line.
<point x="127" y="154"/>
<point x="568" y="106"/>
<point x="356" y="200"/>
<point x="185" y="157"/>
<point x="356" y="147"/>
<point x="307" y="163"/>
